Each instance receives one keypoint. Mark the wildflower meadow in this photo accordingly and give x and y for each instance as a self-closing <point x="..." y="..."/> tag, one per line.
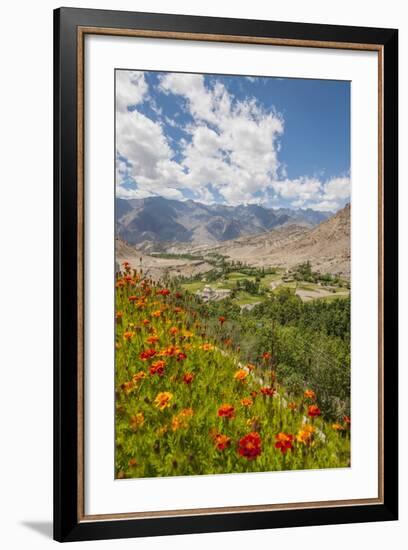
<point x="186" y="403"/>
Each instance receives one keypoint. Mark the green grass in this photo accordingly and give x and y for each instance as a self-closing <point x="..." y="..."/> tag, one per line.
<point x="242" y="298"/>
<point x="333" y="297"/>
<point x="194" y="286"/>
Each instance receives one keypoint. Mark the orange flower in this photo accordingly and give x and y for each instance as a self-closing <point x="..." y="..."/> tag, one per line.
<point x="241" y="374"/>
<point x="305" y="435"/>
<point x="173" y="330"/>
<point x="170" y="351"/>
<point x="178" y="309"/>
<point x="132" y="298"/>
<point x="222" y="441"/>
<point x="314" y="411"/>
<point x="284" y="442"/>
<point x="347" y="420"/>
<point x="146" y="322"/>
<point x="137" y="421"/>
<point x="188" y="378"/>
<point x="249" y="446"/>
<point x="292" y="406"/>
<point x="157" y="368"/>
<point x="147" y="354"/>
<point x="128" y="335"/>
<point x="119" y="315"/>
<point x="127" y="387"/>
<point x="246" y="402"/>
<point x="222" y="320"/>
<point x="250" y="367"/>
<point x="266" y="356"/>
<point x="156" y="313"/>
<point x="207" y="347"/>
<point x="152" y="339"/>
<point x="337" y="427"/>
<point x="181" y="420"/>
<point x="310" y="394"/>
<point x="139" y="376"/>
<point x="132" y="462"/>
<point x="226" y="410"/>
<point x="267" y="390"/>
<point x="162" y="400"/>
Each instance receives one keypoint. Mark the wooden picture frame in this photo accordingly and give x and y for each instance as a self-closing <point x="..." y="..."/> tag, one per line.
<point x="70" y="28"/>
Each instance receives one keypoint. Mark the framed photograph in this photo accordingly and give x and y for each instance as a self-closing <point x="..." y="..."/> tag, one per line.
<point x="225" y="274"/>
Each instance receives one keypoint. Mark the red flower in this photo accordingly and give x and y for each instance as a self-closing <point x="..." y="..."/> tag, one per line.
<point x="147" y="354"/>
<point x="188" y="378"/>
<point x="181" y="356"/>
<point x="266" y="355"/>
<point x="347" y="420"/>
<point x="226" y="410"/>
<point x="132" y="298"/>
<point x="222" y="441"/>
<point x="284" y="442"/>
<point x="267" y="390"/>
<point x="249" y="446"/>
<point x="222" y="320"/>
<point x="157" y="368"/>
<point x="313" y="411"/>
<point x="164" y="292"/>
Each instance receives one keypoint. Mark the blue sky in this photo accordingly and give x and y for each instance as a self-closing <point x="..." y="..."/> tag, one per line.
<point x="233" y="139"/>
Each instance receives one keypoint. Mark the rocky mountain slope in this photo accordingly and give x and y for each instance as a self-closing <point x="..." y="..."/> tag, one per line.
<point x="326" y="246"/>
<point x="157" y="220"/>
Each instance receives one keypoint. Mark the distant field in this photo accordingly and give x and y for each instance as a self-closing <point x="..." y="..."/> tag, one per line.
<point x="194" y="286"/>
<point x="305" y="290"/>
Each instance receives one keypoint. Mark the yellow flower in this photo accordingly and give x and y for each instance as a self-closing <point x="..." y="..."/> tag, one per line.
<point x="161" y="431"/>
<point x="137" y="420"/>
<point x="305" y="434"/>
<point x="163" y="400"/>
<point x="241" y="374"/>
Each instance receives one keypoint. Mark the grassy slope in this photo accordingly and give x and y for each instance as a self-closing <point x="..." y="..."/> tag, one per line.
<point x="151" y="441"/>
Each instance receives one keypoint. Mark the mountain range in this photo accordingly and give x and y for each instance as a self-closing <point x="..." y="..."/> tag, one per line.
<point x="326" y="246"/>
<point x="156" y="219"/>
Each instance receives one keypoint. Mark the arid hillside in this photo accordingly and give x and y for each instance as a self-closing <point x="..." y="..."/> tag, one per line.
<point x="326" y="246"/>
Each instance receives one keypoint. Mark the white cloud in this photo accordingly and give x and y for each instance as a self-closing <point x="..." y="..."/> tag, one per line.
<point x="232" y="149"/>
<point x="131" y="89"/>
<point x="313" y="193"/>
<point x="233" y="144"/>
